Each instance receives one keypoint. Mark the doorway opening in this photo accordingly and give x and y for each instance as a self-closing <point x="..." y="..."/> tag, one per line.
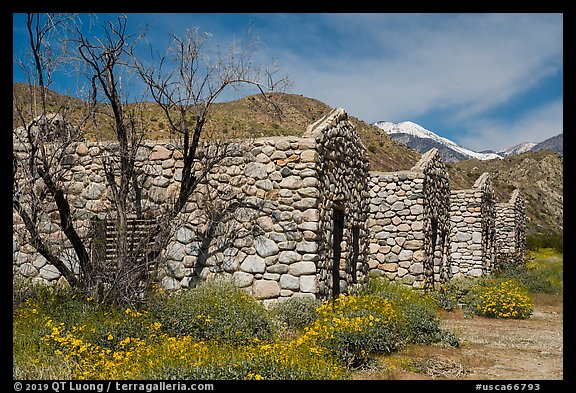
<point x="337" y="233"/>
<point x="432" y="257"/>
<point x="355" y="252"/>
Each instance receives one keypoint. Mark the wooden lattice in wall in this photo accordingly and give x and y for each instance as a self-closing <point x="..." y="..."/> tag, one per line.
<point x="140" y="242"/>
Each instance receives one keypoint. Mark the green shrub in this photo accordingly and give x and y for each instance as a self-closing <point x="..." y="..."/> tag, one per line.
<point x="215" y="310"/>
<point x="296" y="312"/>
<point x="20" y="293"/>
<point x="444" y="299"/>
<point x="418" y="307"/>
<point x="553" y="240"/>
<point x="450" y="295"/>
<point x="537" y="280"/>
<point x="495" y="298"/>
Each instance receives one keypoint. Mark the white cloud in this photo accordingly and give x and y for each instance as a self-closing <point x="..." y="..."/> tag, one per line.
<point x="541" y="123"/>
<point x="422" y="63"/>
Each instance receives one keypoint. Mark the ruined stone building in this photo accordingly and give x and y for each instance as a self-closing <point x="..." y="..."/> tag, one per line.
<point x="510" y="231"/>
<point x="288" y="216"/>
<point x="473" y="230"/>
<point x="409" y="223"/>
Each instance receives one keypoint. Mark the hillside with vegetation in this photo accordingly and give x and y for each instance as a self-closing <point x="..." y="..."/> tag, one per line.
<point x="248" y="117"/>
<point x="538" y="175"/>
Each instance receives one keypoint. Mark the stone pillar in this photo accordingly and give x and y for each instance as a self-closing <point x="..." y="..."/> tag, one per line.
<point x="511" y="231"/>
<point x="472" y="216"/>
<point x="342" y="168"/>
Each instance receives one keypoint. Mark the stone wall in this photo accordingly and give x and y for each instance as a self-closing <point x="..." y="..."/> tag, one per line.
<point x="409" y="223"/>
<point x="83" y="175"/>
<point x="288" y="216"/>
<point x="263" y="215"/>
<point x="472" y="216"/>
<point x="254" y="219"/>
<point x="274" y="205"/>
<point x="511" y="231"/>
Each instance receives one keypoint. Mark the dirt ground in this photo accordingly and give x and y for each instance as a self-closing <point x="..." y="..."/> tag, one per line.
<point x="491" y="349"/>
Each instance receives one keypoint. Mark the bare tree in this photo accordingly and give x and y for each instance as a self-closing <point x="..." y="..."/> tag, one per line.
<point x="107" y="60"/>
<point x="185" y="92"/>
<point x="103" y="57"/>
<point x="39" y="170"/>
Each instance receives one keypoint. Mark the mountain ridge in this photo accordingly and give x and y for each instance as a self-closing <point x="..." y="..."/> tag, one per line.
<point x="421" y="139"/>
<point x="555" y="143"/>
<point x="517" y="149"/>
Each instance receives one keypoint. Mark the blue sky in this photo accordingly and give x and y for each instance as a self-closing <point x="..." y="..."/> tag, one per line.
<point x="486" y="81"/>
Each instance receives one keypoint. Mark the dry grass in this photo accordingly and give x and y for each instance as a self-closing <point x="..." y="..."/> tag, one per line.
<point x="443" y="367"/>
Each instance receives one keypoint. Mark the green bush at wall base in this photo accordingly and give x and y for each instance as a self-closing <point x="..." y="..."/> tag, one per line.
<point x="217" y="310"/>
<point x="296" y="312"/>
<point x="423" y="321"/>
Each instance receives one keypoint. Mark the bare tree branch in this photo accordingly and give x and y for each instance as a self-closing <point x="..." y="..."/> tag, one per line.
<point x="187" y="91"/>
<point x="38" y="171"/>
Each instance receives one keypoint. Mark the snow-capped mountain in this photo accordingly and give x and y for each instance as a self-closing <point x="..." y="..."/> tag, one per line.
<point x="422" y="140"/>
<point x="517" y="149"/>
